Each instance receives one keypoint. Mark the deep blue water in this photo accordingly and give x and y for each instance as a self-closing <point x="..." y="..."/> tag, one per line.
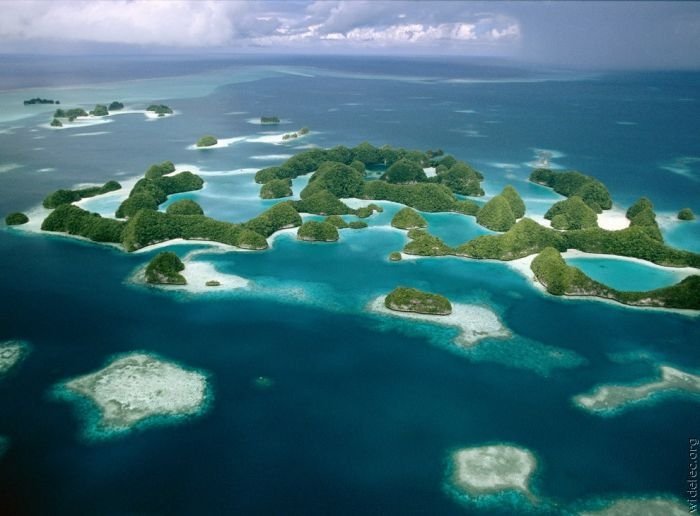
<point x="364" y="410"/>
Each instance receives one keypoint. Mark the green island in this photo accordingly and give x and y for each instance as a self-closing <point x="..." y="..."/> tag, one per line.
<point x="160" y="109"/>
<point x="611" y="399"/>
<point x="16" y="218"/>
<point x="408" y="218"/>
<point x="269" y="120"/>
<point x="115" y="106"/>
<point x="686" y="214"/>
<point x="559" y="278"/>
<point x="317" y="231"/>
<point x="207" y="141"/>
<point x="405" y="299"/>
<point x="570" y="183"/>
<point x="184" y="207"/>
<point x="340" y="172"/>
<point x="99" y="110"/>
<point x="70" y="114"/>
<point x="38" y="100"/>
<point x="56" y="123"/>
<point x="395" y="256"/>
<point x="276" y="189"/>
<point x="134" y="390"/>
<point x="164" y="269"/>
<point x="572" y="213"/>
<point x="291" y="136"/>
<point x="60" y="197"/>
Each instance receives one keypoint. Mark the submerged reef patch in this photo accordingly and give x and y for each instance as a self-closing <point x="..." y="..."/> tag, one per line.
<point x="12" y="352"/>
<point x="610" y="399"/>
<point x="136" y="389"/>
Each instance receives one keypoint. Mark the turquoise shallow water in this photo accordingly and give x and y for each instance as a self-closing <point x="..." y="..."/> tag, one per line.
<point x="365" y="409"/>
<point x="625" y="274"/>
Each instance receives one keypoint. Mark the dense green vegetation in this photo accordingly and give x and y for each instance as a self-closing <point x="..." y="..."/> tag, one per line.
<point x="70" y="114"/>
<point x="404" y="172"/>
<point x="67" y="196"/>
<point x="207" y="141"/>
<point x="276" y="189"/>
<point x="149" y="192"/>
<point x="496" y="214"/>
<point x="337" y="221"/>
<point x="366" y="211"/>
<point x="526" y="237"/>
<point x="404" y="299"/>
<point x="280" y="216"/>
<point x="407" y="218"/>
<point x="165" y="269"/>
<point x="640" y="205"/>
<point x="429" y="197"/>
<point x="37" y="100"/>
<point x="641" y="214"/>
<point x="73" y="220"/>
<point x="517" y="205"/>
<point x="316" y="231"/>
<point x="15" y="219"/>
<point x="424" y="244"/>
<point x="686" y="214"/>
<point x="339" y="179"/>
<point x="184" y="207"/>
<point x="634" y="242"/>
<point x="572" y="213"/>
<point x="160" y="109"/>
<point x="395" y="256"/>
<point x="56" y="123"/>
<point x="159" y="170"/>
<point x="116" y="106"/>
<point x="570" y="183"/>
<point x="357" y="224"/>
<point x="99" y="110"/>
<point x="269" y="120"/>
<point x="559" y="278"/>
<point x="323" y="202"/>
<point x="459" y="177"/>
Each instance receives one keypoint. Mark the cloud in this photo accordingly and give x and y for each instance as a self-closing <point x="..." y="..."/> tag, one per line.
<point x="237" y="25"/>
<point x="156" y="22"/>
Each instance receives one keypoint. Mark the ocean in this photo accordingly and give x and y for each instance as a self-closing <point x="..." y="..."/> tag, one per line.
<point x="364" y="410"/>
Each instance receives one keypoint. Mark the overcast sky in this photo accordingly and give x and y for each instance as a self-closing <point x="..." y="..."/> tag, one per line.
<point x="576" y="34"/>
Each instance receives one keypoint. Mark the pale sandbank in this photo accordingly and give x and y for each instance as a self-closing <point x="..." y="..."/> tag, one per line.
<point x="657" y="506"/>
<point x="492" y="469"/>
<point x="137" y="387"/>
<point x="609" y="399"/>
<point x="473" y="322"/>
<point x="12" y="352"/>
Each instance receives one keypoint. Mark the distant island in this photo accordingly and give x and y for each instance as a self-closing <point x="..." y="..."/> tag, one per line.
<point x="405" y="299"/>
<point x="269" y="120"/>
<point x="16" y="219"/>
<point x="207" y="141"/>
<point x="160" y="109"/>
<point x="37" y="100"/>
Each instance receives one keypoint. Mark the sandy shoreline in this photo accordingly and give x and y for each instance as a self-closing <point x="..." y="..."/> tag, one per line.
<point x="474" y="322"/>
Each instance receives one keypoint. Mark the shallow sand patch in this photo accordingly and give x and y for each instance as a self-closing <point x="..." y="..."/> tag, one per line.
<point x="609" y="399"/>
<point x="640" y="507"/>
<point x="134" y="388"/>
<point x="613" y="219"/>
<point x="474" y="322"/>
<point x="12" y="352"/>
<point x="220" y="144"/>
<point x="277" y="138"/>
<point x="491" y="469"/>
